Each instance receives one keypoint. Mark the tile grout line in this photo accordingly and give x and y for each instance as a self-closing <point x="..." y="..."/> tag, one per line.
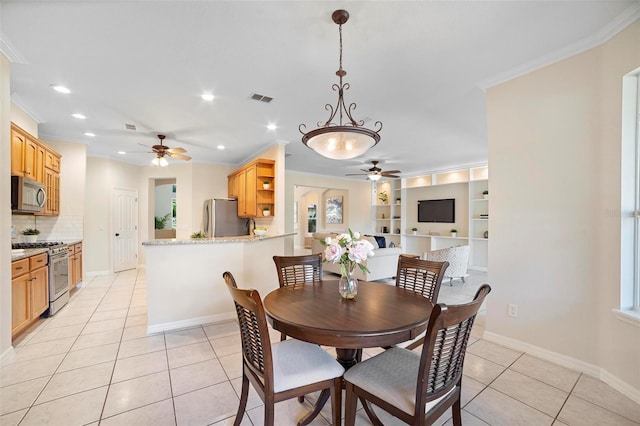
<point x="33" y="404"/>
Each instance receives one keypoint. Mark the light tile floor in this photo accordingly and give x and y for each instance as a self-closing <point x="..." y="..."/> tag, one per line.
<point x="93" y="363"/>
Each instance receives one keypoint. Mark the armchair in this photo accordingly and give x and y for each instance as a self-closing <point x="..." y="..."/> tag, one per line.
<point x="458" y="258"/>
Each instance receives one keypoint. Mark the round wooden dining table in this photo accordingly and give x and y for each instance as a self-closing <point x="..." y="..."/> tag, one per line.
<point x="380" y="315"/>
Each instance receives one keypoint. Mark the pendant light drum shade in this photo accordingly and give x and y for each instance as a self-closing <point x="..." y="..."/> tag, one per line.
<point x="341" y="142"/>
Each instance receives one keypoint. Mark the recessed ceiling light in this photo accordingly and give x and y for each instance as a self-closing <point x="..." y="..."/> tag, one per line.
<point x="272" y="126"/>
<point x="91" y="135"/>
<point x="121" y="152"/>
<point x="220" y="147"/>
<point x="60" y="89"/>
<point x="207" y="96"/>
<point x="78" y="116"/>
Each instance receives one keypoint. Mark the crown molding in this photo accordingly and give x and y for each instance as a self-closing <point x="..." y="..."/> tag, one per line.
<point x="606" y="33"/>
<point x="7" y="48"/>
<point x="23" y="106"/>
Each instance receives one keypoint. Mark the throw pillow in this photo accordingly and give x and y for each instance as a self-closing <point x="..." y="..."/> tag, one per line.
<point x="372" y="240"/>
<point x="382" y="242"/>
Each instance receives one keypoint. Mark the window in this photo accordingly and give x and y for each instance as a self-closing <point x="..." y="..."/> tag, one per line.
<point x="630" y="206"/>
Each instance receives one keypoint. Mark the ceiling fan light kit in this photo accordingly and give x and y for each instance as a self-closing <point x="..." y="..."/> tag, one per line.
<point x="375" y="173"/>
<point x="162" y="150"/>
<point x="344" y="140"/>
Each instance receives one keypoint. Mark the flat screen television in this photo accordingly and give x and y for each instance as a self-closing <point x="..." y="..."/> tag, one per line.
<point x="443" y="211"/>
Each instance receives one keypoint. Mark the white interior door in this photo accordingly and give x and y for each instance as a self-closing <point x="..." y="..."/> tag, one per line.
<point x="125" y="229"/>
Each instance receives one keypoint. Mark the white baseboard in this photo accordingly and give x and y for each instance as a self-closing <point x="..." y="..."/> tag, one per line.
<point x="9" y="352"/>
<point x="167" y="326"/>
<point x="567" y="362"/>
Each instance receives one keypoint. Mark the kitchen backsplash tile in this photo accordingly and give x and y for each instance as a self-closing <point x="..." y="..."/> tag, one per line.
<point x="52" y="228"/>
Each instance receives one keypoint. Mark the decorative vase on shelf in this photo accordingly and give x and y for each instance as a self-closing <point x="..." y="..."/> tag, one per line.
<point x="30" y="238"/>
<point x="348" y="286"/>
<point x="454" y="234"/>
<point x="266" y="185"/>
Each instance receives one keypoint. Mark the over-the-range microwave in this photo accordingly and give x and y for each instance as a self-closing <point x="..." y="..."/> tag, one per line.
<point x="27" y="195"/>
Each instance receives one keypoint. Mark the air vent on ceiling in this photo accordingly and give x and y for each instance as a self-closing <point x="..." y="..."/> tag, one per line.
<point x="130" y="126"/>
<point x="261" y="98"/>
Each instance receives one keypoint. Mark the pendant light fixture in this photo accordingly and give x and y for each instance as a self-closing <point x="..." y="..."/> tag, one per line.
<point x="341" y="141"/>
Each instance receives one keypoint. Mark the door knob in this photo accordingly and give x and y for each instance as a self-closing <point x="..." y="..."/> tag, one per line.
<point x="117" y="235"/>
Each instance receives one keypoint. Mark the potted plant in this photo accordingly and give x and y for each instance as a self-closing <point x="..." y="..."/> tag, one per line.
<point x="266" y="211"/>
<point x="161" y="221"/>
<point x="415" y="231"/>
<point x="485" y="194"/>
<point x="266" y="184"/>
<point x="31" y="235"/>
<point x="198" y="235"/>
<point x="383" y="197"/>
<point x="454" y="232"/>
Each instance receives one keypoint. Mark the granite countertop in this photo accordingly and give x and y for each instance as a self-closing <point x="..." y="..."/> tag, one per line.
<point x="218" y="240"/>
<point x="23" y="254"/>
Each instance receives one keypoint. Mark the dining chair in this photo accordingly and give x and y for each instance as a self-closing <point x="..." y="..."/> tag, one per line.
<point x="418" y="388"/>
<point x="294" y="270"/>
<point x="298" y="269"/>
<point x="281" y="371"/>
<point x="420" y="276"/>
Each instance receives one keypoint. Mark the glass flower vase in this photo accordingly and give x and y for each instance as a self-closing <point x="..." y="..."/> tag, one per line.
<point x="348" y="286"/>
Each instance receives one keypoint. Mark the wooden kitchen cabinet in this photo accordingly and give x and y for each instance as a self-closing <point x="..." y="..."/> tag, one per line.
<point x="29" y="291"/>
<point x="35" y="160"/>
<point x="75" y="265"/>
<point x="247" y="185"/>
<point x="52" y="186"/>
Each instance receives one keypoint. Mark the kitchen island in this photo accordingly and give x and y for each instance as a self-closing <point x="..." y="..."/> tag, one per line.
<point x="184" y="277"/>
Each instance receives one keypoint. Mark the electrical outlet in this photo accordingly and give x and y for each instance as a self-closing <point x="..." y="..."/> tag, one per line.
<point x="512" y="310"/>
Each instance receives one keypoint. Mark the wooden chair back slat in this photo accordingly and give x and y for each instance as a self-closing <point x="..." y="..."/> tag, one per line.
<point x="294" y="270"/>
<point x="421" y="276"/>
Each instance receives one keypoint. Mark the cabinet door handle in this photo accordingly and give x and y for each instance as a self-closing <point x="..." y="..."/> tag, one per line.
<point x="19" y="268"/>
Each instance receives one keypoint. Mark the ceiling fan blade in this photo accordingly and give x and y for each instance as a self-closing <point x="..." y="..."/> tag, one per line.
<point x="391" y="172"/>
<point x="391" y="176"/>
<point x="176" y="150"/>
<point x="355" y="174"/>
<point x="178" y="156"/>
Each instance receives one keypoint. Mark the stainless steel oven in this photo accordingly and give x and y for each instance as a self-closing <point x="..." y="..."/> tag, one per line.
<point x="58" y="278"/>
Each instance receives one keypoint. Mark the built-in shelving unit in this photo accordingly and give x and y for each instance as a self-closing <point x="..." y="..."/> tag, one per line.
<point x="388" y="214"/>
<point x="395" y="218"/>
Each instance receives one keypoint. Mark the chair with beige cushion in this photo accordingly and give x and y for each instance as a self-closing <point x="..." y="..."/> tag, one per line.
<point x="283" y="370"/>
<point x="418" y="388"/>
<point x="458" y="258"/>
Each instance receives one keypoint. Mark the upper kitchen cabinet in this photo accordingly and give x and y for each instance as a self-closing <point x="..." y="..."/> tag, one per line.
<point x="35" y="160"/>
<point x="254" y="187"/>
<point x="24" y="154"/>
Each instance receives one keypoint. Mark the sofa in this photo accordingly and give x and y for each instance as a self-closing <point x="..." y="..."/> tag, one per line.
<point x="383" y="264"/>
<point x="458" y="258"/>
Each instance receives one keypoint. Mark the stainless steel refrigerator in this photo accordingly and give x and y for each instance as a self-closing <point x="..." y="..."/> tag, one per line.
<point x="220" y="218"/>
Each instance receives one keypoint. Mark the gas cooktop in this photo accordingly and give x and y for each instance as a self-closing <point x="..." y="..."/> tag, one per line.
<point x="38" y="244"/>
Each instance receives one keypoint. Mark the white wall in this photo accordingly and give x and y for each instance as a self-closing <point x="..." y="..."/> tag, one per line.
<point x="554" y="149"/>
<point x="102" y="176"/>
<point x="357" y="206"/>
<point x="5" y="206"/>
<point x="23" y="120"/>
<point x="209" y="181"/>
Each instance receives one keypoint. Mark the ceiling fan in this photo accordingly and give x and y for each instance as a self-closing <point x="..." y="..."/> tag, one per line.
<point x="162" y="150"/>
<point x="375" y="172"/>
